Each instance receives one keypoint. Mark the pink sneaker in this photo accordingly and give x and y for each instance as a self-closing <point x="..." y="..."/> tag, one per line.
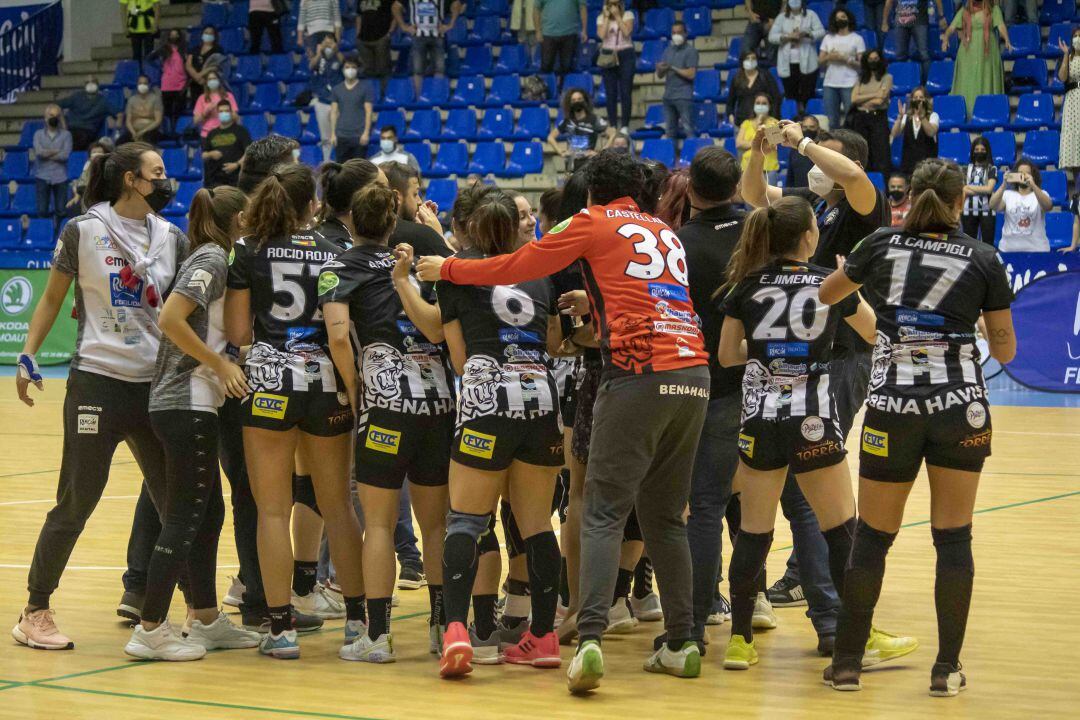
<point x="38" y="630"/>
<point x="541" y="652"/>
<point x="456" y="651"/>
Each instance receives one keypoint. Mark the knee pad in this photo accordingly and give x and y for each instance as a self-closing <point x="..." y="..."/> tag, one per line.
<point x="515" y="544"/>
<point x="632" y="529"/>
<point x="474" y="526"/>
<point x="954" y="548"/>
<point x="488" y="543"/>
<point x="869" y="547"/>
<point x="304" y="492"/>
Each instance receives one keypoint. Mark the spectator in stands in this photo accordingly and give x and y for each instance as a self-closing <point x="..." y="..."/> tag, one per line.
<point x="223" y="149"/>
<point x="917" y="124"/>
<point x="140" y="25"/>
<point x="560" y="27"/>
<point x="677" y="68"/>
<point x="841" y="50"/>
<point x="877" y="20"/>
<point x="746" y="84"/>
<point x="1025" y="204"/>
<point x="869" y="109"/>
<point x="796" y="32"/>
<point x="52" y="146"/>
<point x="350" y="113"/>
<point x="912" y="20"/>
<point x="427" y="23"/>
<point x="209" y="55"/>
<point x="417" y="223"/>
<point x="761" y="14"/>
<point x="174" y="79"/>
<point x="623" y="143"/>
<point x="374" y="21"/>
<point x="980" y="177"/>
<point x="317" y="19"/>
<point x="88" y="112"/>
<point x="390" y="151"/>
<point x="143" y="114"/>
<point x="523" y="22"/>
<point x="749" y="129"/>
<point x="1068" y="72"/>
<point x="265" y="16"/>
<point x="327" y="71"/>
<point x="206" y="112"/>
<point x="899" y="199"/>
<point x="261" y="156"/>
<point x="1031" y="11"/>
<point x="581" y="126"/>
<point x="617" y="60"/>
<point x="78" y="185"/>
<point x="1074" y="208"/>
<point x="799" y="165"/>
<point x="978" y="69"/>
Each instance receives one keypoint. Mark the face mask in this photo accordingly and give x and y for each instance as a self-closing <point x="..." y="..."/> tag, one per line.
<point x="91" y="87"/>
<point x="208" y="38"/>
<point x="979" y="156"/>
<point x="174" y="40"/>
<point x="296" y="154"/>
<point x="143" y="88"/>
<point x="795" y="4"/>
<point x="161" y="195"/>
<point x="810" y="133"/>
<point x="328" y="52"/>
<point x="213" y="84"/>
<point x="896" y="195"/>
<point x="620" y="149"/>
<point x="350" y="73"/>
<point x="53" y="121"/>
<point x="225" y="117"/>
<point x="387" y="146"/>
<point x="749" y="64"/>
<point x="841" y="23"/>
<point x="820" y="184"/>
<point x="761" y="109"/>
<point x="1076" y="42"/>
<point x="577" y="107"/>
<point x="678" y="39"/>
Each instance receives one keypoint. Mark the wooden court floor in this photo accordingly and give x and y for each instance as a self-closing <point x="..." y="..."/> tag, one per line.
<point x="1021" y="654"/>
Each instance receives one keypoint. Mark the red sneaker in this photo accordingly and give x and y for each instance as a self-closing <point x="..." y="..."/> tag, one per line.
<point x="542" y="652"/>
<point x="456" y="651"/>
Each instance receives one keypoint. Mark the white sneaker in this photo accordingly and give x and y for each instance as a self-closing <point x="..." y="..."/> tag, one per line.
<point x="647" y="609"/>
<point x="353" y="630"/>
<point x="620" y="619"/>
<point x="685" y="663"/>
<point x="222" y="635"/>
<point x="586" y="669"/>
<point x="334" y="591"/>
<point x="319" y="603"/>
<point x="561" y="612"/>
<point x="235" y="595"/>
<point x="394" y="600"/>
<point x="364" y="649"/>
<point x="162" y="643"/>
<point x="764" y="617"/>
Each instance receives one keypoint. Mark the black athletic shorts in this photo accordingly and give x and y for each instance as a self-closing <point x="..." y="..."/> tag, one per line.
<point x="315" y="412"/>
<point x="492" y="442"/>
<point x="803" y="444"/>
<point x="894" y="444"/>
<point x="392" y="445"/>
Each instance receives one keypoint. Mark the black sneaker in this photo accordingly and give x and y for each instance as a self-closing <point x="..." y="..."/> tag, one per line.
<point x="844" y="680"/>
<point x="786" y="593"/>
<point x="130" y="607"/>
<point x="411" y="578"/>
<point x="259" y="621"/>
<point x="947" y="680"/>
<point x="825" y="645"/>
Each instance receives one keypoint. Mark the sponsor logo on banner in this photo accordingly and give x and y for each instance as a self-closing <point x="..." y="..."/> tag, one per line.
<point x="875" y="442"/>
<point x="976" y="415"/>
<point x="122" y="295"/>
<point x="746" y="445"/>
<point x="16" y="295"/>
<point x="267" y="405"/>
<point x="668" y="291"/>
<point x="1046" y="316"/>
<point x="813" y="428"/>
<point x="477" y="444"/>
<point x="383" y="440"/>
<point x="88" y="423"/>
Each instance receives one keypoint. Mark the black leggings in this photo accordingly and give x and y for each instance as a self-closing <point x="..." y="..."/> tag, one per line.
<point x="194" y="512"/>
<point x="976" y="225"/>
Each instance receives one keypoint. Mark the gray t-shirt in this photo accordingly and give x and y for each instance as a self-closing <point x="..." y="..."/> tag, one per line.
<point x="180" y="382"/>
<point x="351" y="113"/>
<point x="681" y="57"/>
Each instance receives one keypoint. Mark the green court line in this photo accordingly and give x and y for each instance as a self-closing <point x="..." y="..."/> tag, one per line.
<point x="57" y="470"/>
<point x="8" y="686"/>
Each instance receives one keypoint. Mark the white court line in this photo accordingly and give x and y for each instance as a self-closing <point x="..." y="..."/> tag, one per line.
<point x="9" y="566"/>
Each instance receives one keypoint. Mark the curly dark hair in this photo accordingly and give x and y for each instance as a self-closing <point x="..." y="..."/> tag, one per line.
<point x="261" y="156"/>
<point x="612" y="175"/>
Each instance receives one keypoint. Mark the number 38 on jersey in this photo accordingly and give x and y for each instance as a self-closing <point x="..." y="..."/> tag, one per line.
<point x="658" y="253"/>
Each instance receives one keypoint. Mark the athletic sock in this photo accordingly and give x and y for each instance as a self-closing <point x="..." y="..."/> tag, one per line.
<point x="518" y="604"/>
<point x="747" y="568"/>
<point x="952" y="589"/>
<point x="280" y="618"/>
<point x="862" y="586"/>
<point x="622" y="585"/>
<point x="542" y="551"/>
<point x="484" y="615"/>
<point x="438" y="611"/>
<point x="378" y="616"/>
<point x="354" y="609"/>
<point x="304" y="575"/>
<point x="643" y="578"/>
<point x="459" y="572"/>
<point x="839" y="540"/>
<point x="564" y="584"/>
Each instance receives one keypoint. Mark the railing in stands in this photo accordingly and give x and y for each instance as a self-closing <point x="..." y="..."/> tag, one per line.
<point x="30" y="50"/>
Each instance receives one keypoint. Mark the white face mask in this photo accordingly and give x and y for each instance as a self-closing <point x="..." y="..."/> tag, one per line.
<point x="350" y="73"/>
<point x="207" y="38"/>
<point x="819" y="183"/>
<point x="91" y="87"/>
<point x="213" y="84"/>
<point x="1076" y="42"/>
<point x="143" y="88"/>
<point x="760" y="109"/>
<point x="795" y="4"/>
<point x="296" y="154"/>
<point x="749" y="64"/>
<point x="387" y="146"/>
<point x="677" y="39"/>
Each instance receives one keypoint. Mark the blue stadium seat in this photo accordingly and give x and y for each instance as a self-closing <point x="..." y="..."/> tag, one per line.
<point x="422" y="152"/>
<point x="184" y="123"/>
<point x="232" y="40"/>
<point x="493" y="7"/>
<point x="1054" y="11"/>
<point x="814" y="106"/>
<point x="733" y="52"/>
<point x="527" y="158"/>
<point x="238" y="14"/>
<point x="706" y="85"/>
<point x="1002" y="146"/>
<point x="423" y="125"/>
<point x="442" y="192"/>
<point x="477" y="60"/>
<point x="39" y="234"/>
<point x="458" y="34"/>
<point x="434" y="91"/>
<point x="293" y="91"/>
<point x="399" y="93"/>
<point x="651" y="50"/>
<point x="393" y="118"/>
<point x="989" y="112"/>
<point x="656" y="23"/>
<point x="1029" y="72"/>
<point x="788" y="109"/>
<point x="1026" y="40"/>
<point x="75" y="163"/>
<point x="486" y="30"/>
<point x="939" y="79"/>
<point x="1058" y="229"/>
<point x="460" y="125"/>
<point x="215" y="14"/>
<point x="288" y="124"/>
<point x="176" y="162"/>
<point x="126" y="73"/>
<point x="533" y="123"/>
<point x="659" y="149"/>
<point x="690" y="147"/>
<point x="582" y="80"/>
<point x="497" y="123"/>
<point x="952" y="111"/>
<point x="653" y="125"/>
<point x="185" y="193"/>
<point x="280" y="67"/>
<point x="468" y="91"/>
<point x="705" y="117"/>
<point x="247" y="68"/>
<point x="869" y="38"/>
<point x="586" y="56"/>
<point x="1058" y="31"/>
<point x="24" y="201"/>
<point x="1056" y="185"/>
<point x="513" y="59"/>
<point x="26" y="137"/>
<point x="877" y="179"/>
<point x="698" y="21"/>
<point x="1042" y="146"/>
<point x="821" y="9"/>
<point x="16" y="165"/>
<point x="955" y="146"/>
<point x="1034" y="111"/>
<point x="267" y="97"/>
<point x="905" y="76"/>
<point x="488" y="158"/>
<point x="310" y="155"/>
<point x="452" y="159"/>
<point x="256" y="125"/>
<point x="10" y="228"/>
<point x="505" y="90"/>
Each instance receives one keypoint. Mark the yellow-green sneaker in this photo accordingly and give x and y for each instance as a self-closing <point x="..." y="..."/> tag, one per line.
<point x="740" y="655"/>
<point x="882" y="647"/>
<point x="686" y="663"/>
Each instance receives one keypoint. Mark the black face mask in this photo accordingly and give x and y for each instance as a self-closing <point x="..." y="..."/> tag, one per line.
<point x="896" y="195"/>
<point x="841" y="23"/>
<point x="161" y="195"/>
<point x="978" y="156"/>
<point x="577" y="107"/>
<point x="812" y="134"/>
<point x="53" y="121"/>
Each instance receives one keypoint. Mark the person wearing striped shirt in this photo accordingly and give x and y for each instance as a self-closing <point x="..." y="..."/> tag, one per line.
<point x="317" y="20"/>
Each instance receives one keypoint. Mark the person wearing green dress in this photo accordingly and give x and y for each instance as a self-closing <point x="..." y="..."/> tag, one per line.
<point x="978" y="69"/>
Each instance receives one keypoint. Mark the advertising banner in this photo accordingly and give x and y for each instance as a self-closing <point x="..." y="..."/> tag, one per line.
<point x="20" y="291"/>
<point x="1046" y="315"/>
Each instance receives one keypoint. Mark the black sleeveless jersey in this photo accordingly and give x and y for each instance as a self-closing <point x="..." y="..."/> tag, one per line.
<point x="789" y="339"/>
<point x="928" y="291"/>
<point x="401" y="370"/>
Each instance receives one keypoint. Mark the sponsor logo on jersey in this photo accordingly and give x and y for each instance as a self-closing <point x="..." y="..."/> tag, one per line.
<point x="692" y="390"/>
<point x="976" y="415"/>
<point x="122" y="295"/>
<point x="232" y="255"/>
<point x="303" y="242"/>
<point x="515" y="335"/>
<point x="782" y="367"/>
<point x="920" y="357"/>
<point x="875" y="442"/>
<point x="668" y="291"/>
<point x="88" y="424"/>
<point x="267" y="405"/>
<point x="819" y="450"/>
<point x="668" y="312"/>
<point x="813" y="428"/>
<point x="114" y="261"/>
<point x="905" y="316"/>
<point x="675" y="328"/>
<point x="908" y="334"/>
<point x="560" y="227"/>
<point x="407" y="328"/>
<point x="977" y="440"/>
<point x="746" y="445"/>
<point x="683" y="348"/>
<point x="383" y="440"/>
<point x="103" y="243"/>
<point x="328" y="281"/>
<point x="787" y="349"/>
<point x="477" y="444"/>
<point x="200" y="279"/>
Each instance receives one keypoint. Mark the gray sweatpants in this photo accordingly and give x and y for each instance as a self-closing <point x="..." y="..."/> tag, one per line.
<point x="644" y="440"/>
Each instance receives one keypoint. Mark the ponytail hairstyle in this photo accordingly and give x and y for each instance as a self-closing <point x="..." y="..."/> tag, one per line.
<point x="936" y="185"/>
<point x="769" y="233"/>
<point x="339" y="182"/>
<point x="106" y="180"/>
<point x="281" y="202"/>
<point x="493" y="226"/>
<point x="674" y="205"/>
<point x="212" y="214"/>
<point x="374" y="212"/>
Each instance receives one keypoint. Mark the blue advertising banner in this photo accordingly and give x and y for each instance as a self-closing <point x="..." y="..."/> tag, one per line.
<point x="1023" y="268"/>
<point x="12" y="15"/>
<point x="1046" y="315"/>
